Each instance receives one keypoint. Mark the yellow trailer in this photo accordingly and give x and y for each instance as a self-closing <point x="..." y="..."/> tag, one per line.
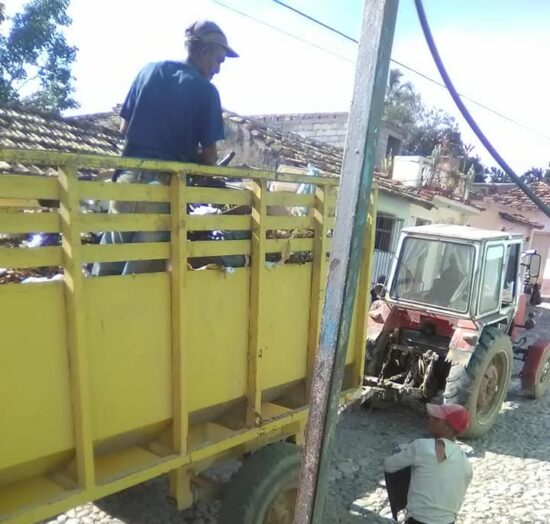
<point x="106" y="382"/>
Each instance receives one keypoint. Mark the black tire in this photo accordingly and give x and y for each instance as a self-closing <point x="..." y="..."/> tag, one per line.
<point x="374" y="354"/>
<point x="481" y="386"/>
<point x="266" y="484"/>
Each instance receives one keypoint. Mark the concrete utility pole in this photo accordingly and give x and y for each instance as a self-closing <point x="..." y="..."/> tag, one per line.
<point x="356" y="180"/>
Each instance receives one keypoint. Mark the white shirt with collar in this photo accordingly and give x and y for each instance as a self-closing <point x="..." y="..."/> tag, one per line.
<point x="437" y="489"/>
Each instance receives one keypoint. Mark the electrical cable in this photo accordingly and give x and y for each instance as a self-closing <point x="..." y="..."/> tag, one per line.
<point x="409" y="68"/>
<point x="468" y="117"/>
<point x="291" y="35"/>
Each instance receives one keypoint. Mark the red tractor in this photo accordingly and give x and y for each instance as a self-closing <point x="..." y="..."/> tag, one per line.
<point x="453" y="319"/>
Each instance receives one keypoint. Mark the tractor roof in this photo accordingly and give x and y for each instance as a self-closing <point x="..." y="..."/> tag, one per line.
<point x="461" y="232"/>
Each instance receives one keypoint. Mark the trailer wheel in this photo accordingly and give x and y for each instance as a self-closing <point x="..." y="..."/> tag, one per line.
<point x="264" y="490"/>
<point x="481" y="386"/>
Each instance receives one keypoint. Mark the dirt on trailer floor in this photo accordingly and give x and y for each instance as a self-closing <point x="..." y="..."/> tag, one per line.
<point x="511" y="469"/>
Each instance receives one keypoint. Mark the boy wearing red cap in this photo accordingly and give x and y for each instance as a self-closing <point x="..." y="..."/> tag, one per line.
<point x="440" y="470"/>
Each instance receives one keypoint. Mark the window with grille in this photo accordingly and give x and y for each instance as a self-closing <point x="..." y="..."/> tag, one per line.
<point x="384" y="230"/>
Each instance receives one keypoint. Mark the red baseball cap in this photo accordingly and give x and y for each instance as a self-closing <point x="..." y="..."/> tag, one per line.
<point x="457" y="416"/>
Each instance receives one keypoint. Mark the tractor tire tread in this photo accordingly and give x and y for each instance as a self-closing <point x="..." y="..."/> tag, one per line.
<point x="250" y="486"/>
<point x="461" y="380"/>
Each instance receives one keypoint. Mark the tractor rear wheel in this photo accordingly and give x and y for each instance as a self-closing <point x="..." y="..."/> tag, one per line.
<point x="481" y="386"/>
<point x="264" y="490"/>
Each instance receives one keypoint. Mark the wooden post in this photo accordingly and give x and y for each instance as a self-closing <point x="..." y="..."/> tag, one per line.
<point x="345" y="260"/>
<point x="257" y="270"/>
<point x="180" y="488"/>
<point x="69" y="211"/>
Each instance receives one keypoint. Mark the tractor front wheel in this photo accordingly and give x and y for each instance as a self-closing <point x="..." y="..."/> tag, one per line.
<point x="481" y="386"/>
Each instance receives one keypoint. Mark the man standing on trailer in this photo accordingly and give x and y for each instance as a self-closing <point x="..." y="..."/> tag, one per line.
<point x="172" y="112"/>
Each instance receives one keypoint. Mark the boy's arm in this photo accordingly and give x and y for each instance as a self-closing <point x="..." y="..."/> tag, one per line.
<point x="404" y="459"/>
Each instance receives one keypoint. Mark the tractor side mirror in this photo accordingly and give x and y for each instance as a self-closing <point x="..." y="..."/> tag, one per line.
<point x="532" y="261"/>
<point x="534" y="265"/>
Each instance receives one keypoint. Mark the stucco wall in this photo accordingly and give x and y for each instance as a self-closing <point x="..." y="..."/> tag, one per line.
<point x="491" y="219"/>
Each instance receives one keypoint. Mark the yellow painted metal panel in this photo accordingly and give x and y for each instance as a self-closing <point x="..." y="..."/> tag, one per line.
<point x="288" y="199"/>
<point x="129" y="344"/>
<point x="12" y="205"/>
<point x="218" y="196"/>
<point x="214" y="248"/>
<point x="26" y="493"/>
<point x="217" y="325"/>
<point x="25" y="186"/>
<point x="288" y="245"/>
<point x="318" y="278"/>
<point x="179" y="479"/>
<point x="132" y="334"/>
<point x="285" y="328"/>
<point x="35" y="397"/>
<point x="218" y="222"/>
<point x="53" y="158"/>
<point x="125" y="222"/>
<point x="30" y="257"/>
<point x="29" y="223"/>
<point x="116" y="252"/>
<point x="110" y="467"/>
<point x="257" y="305"/>
<point x="73" y="283"/>
<point x="282" y="222"/>
<point x="124" y="192"/>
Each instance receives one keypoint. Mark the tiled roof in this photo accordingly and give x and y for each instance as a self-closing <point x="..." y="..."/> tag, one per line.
<point x="98" y="133"/>
<point x="294" y="149"/>
<point x="519" y="219"/>
<point x="518" y="200"/>
<point x="24" y="129"/>
<point x="430" y="192"/>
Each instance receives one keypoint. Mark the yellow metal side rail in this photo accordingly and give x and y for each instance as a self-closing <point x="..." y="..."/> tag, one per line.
<point x="185" y="428"/>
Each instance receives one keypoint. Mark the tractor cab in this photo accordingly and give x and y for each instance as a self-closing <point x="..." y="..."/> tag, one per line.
<point x="458" y="271"/>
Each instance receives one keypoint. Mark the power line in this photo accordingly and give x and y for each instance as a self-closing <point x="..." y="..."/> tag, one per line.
<point x="318" y="22"/>
<point x="291" y="35"/>
<point x="409" y="68"/>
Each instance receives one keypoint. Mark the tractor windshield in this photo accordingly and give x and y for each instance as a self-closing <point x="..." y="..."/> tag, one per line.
<point x="434" y="272"/>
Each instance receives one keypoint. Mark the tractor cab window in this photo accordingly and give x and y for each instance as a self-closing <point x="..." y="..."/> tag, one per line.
<point x="509" y="286"/>
<point x="434" y="272"/>
<point x="492" y="274"/>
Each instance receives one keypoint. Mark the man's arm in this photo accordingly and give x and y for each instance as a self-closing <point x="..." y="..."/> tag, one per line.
<point x="123" y="126"/>
<point x="209" y="155"/>
<point x="401" y="460"/>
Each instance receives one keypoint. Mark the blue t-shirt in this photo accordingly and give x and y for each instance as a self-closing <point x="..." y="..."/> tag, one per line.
<point x="170" y="110"/>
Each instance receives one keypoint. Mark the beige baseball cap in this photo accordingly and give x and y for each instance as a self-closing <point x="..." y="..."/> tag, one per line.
<point x="209" y="32"/>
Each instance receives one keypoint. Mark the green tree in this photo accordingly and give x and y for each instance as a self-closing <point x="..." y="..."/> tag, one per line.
<point x="497" y="175"/>
<point x="535" y="174"/>
<point x="402" y="103"/>
<point x="35" y="56"/>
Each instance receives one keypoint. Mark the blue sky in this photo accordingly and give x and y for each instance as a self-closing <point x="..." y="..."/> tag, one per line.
<point x="494" y="50"/>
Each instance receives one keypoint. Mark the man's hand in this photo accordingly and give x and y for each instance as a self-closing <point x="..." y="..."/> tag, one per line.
<point x="209" y="155"/>
<point x="123" y="127"/>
